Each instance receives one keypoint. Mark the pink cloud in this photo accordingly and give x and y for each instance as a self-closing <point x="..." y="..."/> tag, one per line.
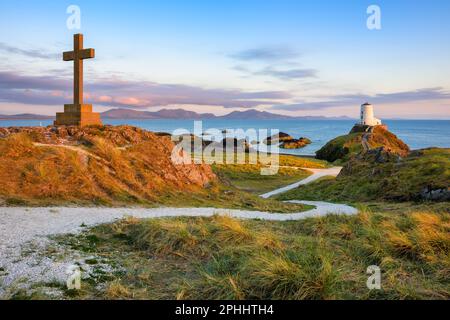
<point x="104" y="99"/>
<point x="121" y="93"/>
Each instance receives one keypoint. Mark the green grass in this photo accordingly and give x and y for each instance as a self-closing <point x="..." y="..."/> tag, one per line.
<point x="284" y="160"/>
<point x="225" y="258"/>
<point x="248" y="177"/>
<point x="230" y="197"/>
<point x="320" y="190"/>
<point x="392" y="181"/>
<point x="302" y="162"/>
<point x="341" y="148"/>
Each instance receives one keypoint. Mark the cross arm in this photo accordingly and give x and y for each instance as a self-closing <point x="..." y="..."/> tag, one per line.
<point x="68" y="56"/>
<point x="87" y="54"/>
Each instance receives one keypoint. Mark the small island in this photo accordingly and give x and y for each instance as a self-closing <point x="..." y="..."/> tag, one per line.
<point x="286" y="141"/>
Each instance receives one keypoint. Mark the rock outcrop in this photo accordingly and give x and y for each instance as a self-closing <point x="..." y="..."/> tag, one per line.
<point x="429" y="194"/>
<point x="295" y="143"/>
<point x="278" y="138"/>
<point x="286" y="141"/>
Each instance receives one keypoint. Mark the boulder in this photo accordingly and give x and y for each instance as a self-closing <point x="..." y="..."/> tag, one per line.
<point x="277" y="138"/>
<point x="295" y="143"/>
<point x="435" y="195"/>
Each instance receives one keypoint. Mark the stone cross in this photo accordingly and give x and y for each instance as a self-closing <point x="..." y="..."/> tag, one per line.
<point x="78" y="113"/>
<point x="77" y="56"/>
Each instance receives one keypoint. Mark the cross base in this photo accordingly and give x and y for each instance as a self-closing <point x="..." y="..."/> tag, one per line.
<point x="77" y="115"/>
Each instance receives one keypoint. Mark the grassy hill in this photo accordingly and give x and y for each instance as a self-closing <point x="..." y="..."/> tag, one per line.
<point x="423" y="175"/>
<point x="111" y="166"/>
<point x="103" y="166"/>
<point x="344" y="147"/>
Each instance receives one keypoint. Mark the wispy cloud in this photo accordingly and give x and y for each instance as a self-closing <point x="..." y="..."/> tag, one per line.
<point x="278" y="73"/>
<point x="32" y="53"/>
<point x="278" y="61"/>
<point x="266" y="54"/>
<point x="42" y="90"/>
<point x="425" y="94"/>
<point x="287" y="74"/>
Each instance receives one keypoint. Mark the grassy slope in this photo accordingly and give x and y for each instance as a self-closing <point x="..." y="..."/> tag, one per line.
<point x="384" y="138"/>
<point x="223" y="258"/>
<point x="248" y="177"/>
<point x="345" y="147"/>
<point x="99" y="173"/>
<point x="341" y="148"/>
<point x="238" y="182"/>
<point x="302" y="162"/>
<point x="229" y="197"/>
<point x="141" y="174"/>
<point x="365" y="181"/>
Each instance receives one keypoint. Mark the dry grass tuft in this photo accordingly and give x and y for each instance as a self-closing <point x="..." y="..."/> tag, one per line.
<point x="160" y="237"/>
<point x="116" y="291"/>
<point x="230" y="230"/>
<point x="293" y="276"/>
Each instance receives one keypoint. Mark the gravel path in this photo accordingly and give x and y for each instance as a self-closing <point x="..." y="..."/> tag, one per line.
<point x="365" y="139"/>
<point x="317" y="174"/>
<point x="25" y="243"/>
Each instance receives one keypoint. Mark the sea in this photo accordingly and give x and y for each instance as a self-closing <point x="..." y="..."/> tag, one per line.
<point x="418" y="134"/>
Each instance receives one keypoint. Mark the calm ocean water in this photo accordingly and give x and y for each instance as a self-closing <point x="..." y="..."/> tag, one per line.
<point x="416" y="133"/>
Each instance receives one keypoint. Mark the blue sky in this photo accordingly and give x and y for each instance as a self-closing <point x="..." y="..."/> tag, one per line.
<point x="292" y="57"/>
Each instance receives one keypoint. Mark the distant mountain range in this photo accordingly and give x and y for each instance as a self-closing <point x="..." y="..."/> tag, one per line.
<point x="161" y="114"/>
<point x="251" y="114"/>
<point x="25" y="116"/>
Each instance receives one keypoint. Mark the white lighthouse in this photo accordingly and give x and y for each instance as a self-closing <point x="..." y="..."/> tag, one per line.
<point x="367" y="117"/>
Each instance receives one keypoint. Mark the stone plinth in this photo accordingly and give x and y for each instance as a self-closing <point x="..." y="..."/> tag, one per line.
<point x="77" y="115"/>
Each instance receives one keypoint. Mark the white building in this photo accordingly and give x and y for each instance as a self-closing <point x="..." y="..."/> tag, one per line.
<point x="367" y="117"/>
